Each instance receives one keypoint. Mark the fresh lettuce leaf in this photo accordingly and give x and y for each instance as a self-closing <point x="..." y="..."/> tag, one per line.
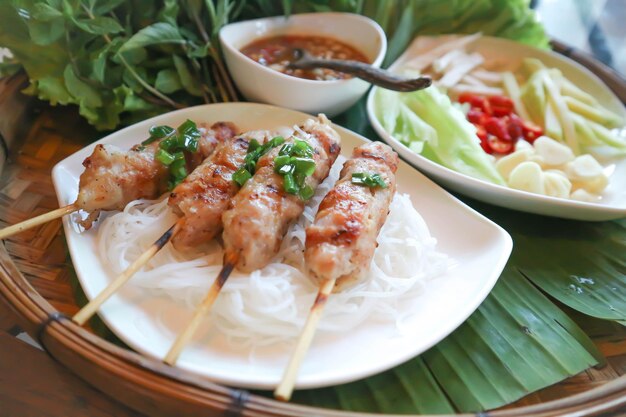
<point x="455" y="145"/>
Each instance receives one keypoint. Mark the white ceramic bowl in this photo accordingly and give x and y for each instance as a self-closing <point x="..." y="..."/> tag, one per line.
<point x="259" y="83"/>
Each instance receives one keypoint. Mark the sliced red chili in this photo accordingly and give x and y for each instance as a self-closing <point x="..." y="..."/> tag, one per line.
<point x="476" y="102"/>
<point x="531" y="131"/>
<point x="500" y="111"/>
<point x="514" y="127"/>
<point x="501" y="101"/>
<point x="497" y="128"/>
<point x="499" y="146"/>
<point x="475" y="116"/>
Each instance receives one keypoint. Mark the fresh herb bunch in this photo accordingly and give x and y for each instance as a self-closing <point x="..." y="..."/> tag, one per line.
<point x="124" y="61"/>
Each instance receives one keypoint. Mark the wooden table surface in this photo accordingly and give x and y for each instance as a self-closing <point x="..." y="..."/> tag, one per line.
<point x="32" y="384"/>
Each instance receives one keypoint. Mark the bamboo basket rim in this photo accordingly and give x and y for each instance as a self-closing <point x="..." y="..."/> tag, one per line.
<point x="71" y="345"/>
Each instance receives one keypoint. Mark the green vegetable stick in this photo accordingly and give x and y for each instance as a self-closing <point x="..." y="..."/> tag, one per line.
<point x="553" y="128"/>
<point x="512" y="89"/>
<point x="597" y="114"/>
<point x="562" y="112"/>
<point x="570" y="89"/>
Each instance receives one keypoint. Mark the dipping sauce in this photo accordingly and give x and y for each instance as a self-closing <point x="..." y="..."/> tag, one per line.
<point x="276" y="52"/>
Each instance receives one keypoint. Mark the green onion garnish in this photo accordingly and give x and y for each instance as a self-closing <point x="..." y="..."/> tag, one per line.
<point x="290" y="184"/>
<point x="164" y="157"/>
<point x="255" y="152"/>
<point x="368" y="180"/>
<point x="173" y="143"/>
<point x="241" y="176"/>
<point x="294" y="162"/>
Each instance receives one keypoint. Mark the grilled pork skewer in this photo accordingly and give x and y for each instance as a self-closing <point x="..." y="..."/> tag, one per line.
<point x="113" y="177"/>
<point x="340" y="243"/>
<point x="200" y="201"/>
<point x="260" y="214"/>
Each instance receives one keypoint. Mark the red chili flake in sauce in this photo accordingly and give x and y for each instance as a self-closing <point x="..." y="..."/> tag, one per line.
<point x="276" y="52"/>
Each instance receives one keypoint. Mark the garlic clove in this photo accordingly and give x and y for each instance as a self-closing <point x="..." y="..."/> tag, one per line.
<point x="593" y="185"/>
<point x="527" y="176"/>
<point x="553" y="152"/>
<point x="584" y="167"/>
<point x="507" y="163"/>
<point x="583" y="195"/>
<point x="556" y="184"/>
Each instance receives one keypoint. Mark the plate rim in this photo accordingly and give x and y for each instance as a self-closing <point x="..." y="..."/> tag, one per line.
<point x="598" y="211"/>
<point x="503" y="236"/>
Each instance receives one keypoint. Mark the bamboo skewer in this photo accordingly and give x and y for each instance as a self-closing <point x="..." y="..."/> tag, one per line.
<point x="285" y="387"/>
<point x="90" y="308"/>
<point x="36" y="221"/>
<point x="183" y="338"/>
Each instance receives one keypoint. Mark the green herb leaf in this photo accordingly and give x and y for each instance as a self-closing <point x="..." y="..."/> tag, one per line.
<point x="101" y="7"/>
<point x="156" y="34"/>
<point x="168" y="81"/>
<point x="100" y="25"/>
<point x="188" y="81"/>
<point x="46" y="13"/>
<point x="82" y="92"/>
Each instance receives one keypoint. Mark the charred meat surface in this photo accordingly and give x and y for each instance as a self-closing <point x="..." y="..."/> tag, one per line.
<point x="205" y="194"/>
<point x="114" y="177"/>
<point x="259" y="215"/>
<point x="340" y="243"/>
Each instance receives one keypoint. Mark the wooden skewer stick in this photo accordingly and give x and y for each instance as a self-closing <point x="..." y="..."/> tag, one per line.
<point x="36" y="221"/>
<point x="88" y="310"/>
<point x="285" y="388"/>
<point x="201" y="311"/>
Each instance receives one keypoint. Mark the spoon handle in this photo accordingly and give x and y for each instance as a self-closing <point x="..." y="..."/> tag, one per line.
<point x="365" y="72"/>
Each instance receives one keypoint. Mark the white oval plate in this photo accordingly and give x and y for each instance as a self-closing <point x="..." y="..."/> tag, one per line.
<point x="479" y="247"/>
<point x="613" y="202"/>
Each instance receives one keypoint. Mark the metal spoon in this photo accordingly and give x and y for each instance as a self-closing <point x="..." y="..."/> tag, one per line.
<point x="376" y="76"/>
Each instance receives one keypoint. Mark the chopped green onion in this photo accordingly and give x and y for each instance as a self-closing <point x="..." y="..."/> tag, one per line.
<point x="241" y="176"/>
<point x="306" y="192"/>
<point x="160" y="132"/>
<point x="253" y="145"/>
<point x="188" y="127"/>
<point x="173" y="144"/>
<point x="290" y="184"/>
<point x="178" y="169"/>
<point x="164" y="157"/>
<point x="281" y="160"/>
<point x="304" y="165"/>
<point x="255" y="152"/>
<point x="286" y="169"/>
<point x="301" y="148"/>
<point x="286" y="149"/>
<point x="368" y="180"/>
<point x="169" y="144"/>
<point x="294" y="162"/>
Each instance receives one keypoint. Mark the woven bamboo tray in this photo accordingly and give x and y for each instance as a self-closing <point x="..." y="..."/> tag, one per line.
<point x="35" y="274"/>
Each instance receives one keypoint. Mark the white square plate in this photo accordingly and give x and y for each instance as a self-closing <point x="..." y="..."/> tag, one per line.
<point x="479" y="247"/>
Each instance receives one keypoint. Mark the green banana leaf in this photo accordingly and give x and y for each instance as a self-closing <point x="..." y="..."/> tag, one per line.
<point x="581" y="264"/>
